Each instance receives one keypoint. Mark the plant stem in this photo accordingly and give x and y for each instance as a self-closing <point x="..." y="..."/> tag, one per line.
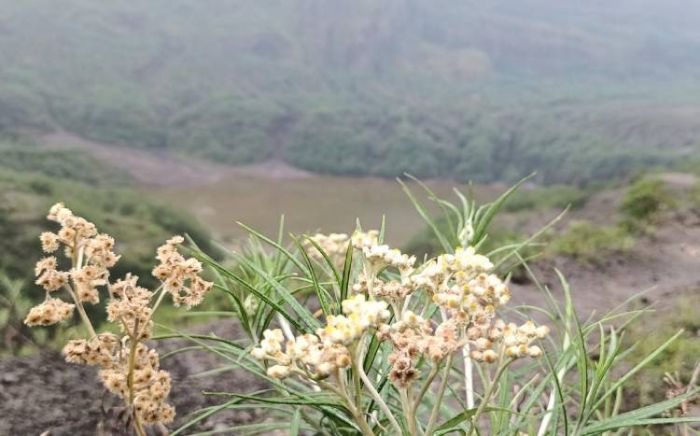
<point x="408" y="411"/>
<point x="378" y="398"/>
<point x="468" y="377"/>
<point x="552" y="399"/>
<point x="130" y="383"/>
<point x="487" y="396"/>
<point x="441" y="391"/>
<point x="355" y="410"/>
<point x="428" y="382"/>
<point x="81" y="311"/>
<point x="160" y="297"/>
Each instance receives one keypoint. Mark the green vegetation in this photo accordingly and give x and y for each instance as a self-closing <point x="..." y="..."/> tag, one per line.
<point x="548" y="197"/>
<point x="26" y="157"/>
<point x="588" y="242"/>
<point x="33" y="178"/>
<point x="681" y="357"/>
<point x="141" y="224"/>
<point x="355" y="87"/>
<point x="644" y="202"/>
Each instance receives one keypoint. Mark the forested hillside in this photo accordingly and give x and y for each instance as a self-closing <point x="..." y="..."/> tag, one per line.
<point x="461" y="89"/>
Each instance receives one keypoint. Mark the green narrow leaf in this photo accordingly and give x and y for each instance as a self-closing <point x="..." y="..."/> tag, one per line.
<point x="639" y="417"/>
<point x="560" y="396"/>
<point x="296" y="423"/>
<point x="490" y="210"/>
<point x="382" y="229"/>
<point x="279" y="247"/>
<point x="328" y="260"/>
<point x="347" y="269"/>
<point x="426" y="217"/>
<point x="288" y="298"/>
<point x="321" y="293"/>
<point x="452" y="423"/>
<point x="636" y="368"/>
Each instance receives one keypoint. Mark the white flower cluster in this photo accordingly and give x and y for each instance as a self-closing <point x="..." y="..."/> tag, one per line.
<point x="317" y="356"/>
<point x="515" y="340"/>
<point x="381" y="256"/>
<point x="460" y="285"/>
<point x="305" y="355"/>
<point x="360" y="315"/>
<point x="362" y="239"/>
<point x="335" y="245"/>
<point x="468" y="294"/>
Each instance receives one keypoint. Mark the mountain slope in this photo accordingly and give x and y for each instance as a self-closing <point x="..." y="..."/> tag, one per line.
<point x="463" y="89"/>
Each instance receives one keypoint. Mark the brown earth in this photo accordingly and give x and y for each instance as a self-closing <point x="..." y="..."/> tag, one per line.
<point x="661" y="266"/>
<point x="45" y="394"/>
<point x="166" y="169"/>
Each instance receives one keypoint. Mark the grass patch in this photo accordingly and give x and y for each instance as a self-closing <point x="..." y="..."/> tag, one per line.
<point x="590" y="243"/>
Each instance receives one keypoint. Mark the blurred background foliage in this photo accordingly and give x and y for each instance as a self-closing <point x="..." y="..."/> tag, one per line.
<point x="465" y="90"/>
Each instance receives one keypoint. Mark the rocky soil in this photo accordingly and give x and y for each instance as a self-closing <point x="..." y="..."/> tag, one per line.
<point x="45" y="395"/>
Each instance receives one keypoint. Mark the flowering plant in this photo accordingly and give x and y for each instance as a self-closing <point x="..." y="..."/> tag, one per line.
<point x="128" y="367"/>
<point x="386" y="344"/>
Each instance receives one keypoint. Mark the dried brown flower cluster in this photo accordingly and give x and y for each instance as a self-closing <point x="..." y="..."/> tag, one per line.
<point x="51" y="311"/>
<point x="412" y="337"/>
<point x="148" y="387"/>
<point x="180" y="276"/>
<point x="128" y="368"/>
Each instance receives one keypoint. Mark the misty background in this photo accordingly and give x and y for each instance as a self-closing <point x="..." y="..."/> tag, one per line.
<point x="180" y="116"/>
<point x="466" y="90"/>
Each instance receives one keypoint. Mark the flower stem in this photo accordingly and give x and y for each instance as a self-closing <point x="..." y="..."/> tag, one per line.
<point x="426" y="386"/>
<point x="468" y="377"/>
<point x="375" y="395"/>
<point x="130" y="383"/>
<point x="355" y="410"/>
<point x="408" y="411"/>
<point x="81" y="311"/>
<point x="487" y="396"/>
<point x="441" y="391"/>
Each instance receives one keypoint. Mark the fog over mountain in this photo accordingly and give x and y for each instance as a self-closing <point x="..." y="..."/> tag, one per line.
<point x="459" y="89"/>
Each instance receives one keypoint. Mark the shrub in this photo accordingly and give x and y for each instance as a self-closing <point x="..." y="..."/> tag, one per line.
<point x="384" y="359"/>
<point x="645" y="200"/>
<point x="589" y="242"/>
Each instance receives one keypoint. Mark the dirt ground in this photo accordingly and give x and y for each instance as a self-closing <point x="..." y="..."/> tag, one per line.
<point x="43" y="393"/>
<point x="661" y="266"/>
<point x="167" y="169"/>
